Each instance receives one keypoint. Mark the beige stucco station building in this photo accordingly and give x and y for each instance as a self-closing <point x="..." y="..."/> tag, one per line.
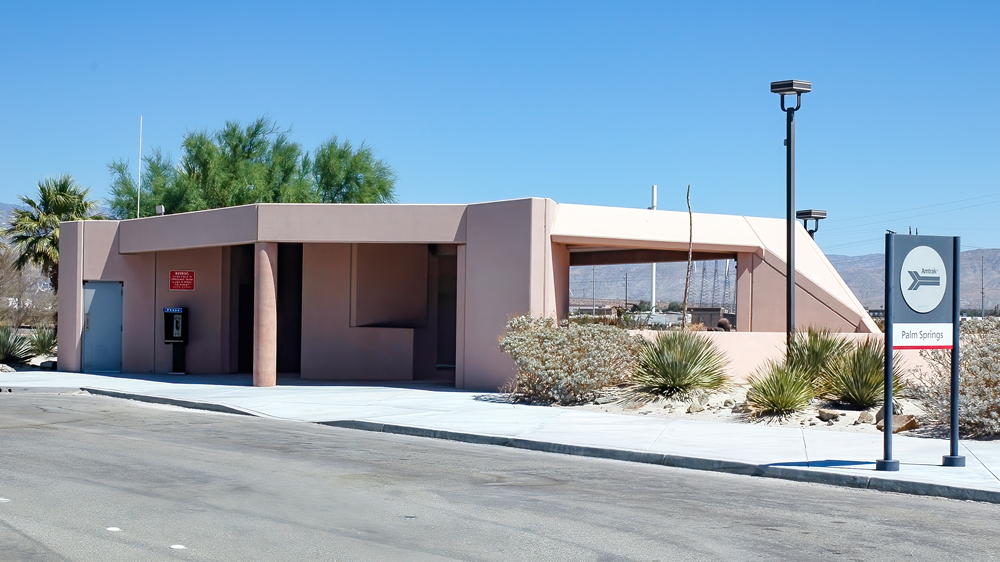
<point x="389" y="292"/>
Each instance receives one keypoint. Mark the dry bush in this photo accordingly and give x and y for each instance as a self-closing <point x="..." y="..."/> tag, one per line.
<point x="25" y="296"/>
<point x="567" y="363"/>
<point x="979" y="380"/>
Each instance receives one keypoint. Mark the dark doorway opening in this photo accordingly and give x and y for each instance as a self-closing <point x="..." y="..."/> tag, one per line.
<point x="447" y="311"/>
<point x="435" y="342"/>
<point x="241" y="308"/>
<point x="290" y="309"/>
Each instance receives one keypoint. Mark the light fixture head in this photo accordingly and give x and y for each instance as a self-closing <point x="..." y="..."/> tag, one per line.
<point x="787" y="87"/>
<point x="810" y="214"/>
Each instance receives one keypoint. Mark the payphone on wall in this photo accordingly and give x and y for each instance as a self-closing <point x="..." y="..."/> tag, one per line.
<point x="175" y="331"/>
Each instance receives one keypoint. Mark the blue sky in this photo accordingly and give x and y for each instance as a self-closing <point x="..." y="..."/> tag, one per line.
<point x="581" y="102"/>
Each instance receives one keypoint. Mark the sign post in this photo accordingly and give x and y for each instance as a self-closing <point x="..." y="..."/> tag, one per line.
<point x="921" y="312"/>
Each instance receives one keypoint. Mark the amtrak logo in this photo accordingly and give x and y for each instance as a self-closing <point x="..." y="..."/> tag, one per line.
<point x="920" y="280"/>
<point x="927" y="279"/>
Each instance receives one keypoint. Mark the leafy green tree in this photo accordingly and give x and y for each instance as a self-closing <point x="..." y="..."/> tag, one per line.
<point x="345" y="175"/>
<point x="254" y="163"/>
<point x="34" y="229"/>
<point x="158" y="178"/>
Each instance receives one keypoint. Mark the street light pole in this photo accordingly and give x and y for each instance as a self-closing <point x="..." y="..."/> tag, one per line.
<point x="784" y="88"/>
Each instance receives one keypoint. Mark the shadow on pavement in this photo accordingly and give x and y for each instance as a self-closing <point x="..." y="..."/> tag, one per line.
<point x="244" y="379"/>
<point x="822" y="464"/>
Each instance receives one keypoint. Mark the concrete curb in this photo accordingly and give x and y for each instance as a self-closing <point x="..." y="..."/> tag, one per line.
<point x="691" y="463"/>
<point x="11" y="389"/>
<point x="675" y="461"/>
<point x="190" y="404"/>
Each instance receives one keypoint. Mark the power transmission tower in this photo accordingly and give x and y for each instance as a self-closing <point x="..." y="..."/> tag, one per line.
<point x="726" y="290"/>
<point x="715" y="283"/>
<point x="701" y="295"/>
<point x="626" y="290"/>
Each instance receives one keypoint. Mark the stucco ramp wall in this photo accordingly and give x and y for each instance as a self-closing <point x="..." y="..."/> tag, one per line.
<point x="822" y="296"/>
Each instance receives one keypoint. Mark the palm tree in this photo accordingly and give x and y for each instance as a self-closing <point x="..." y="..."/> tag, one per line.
<point x="34" y="228"/>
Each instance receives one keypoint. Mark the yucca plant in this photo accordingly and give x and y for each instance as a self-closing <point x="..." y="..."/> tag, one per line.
<point x="42" y="341"/>
<point x="14" y="348"/>
<point x="814" y="351"/>
<point x="778" y="389"/>
<point x="858" y="379"/>
<point x="678" y="362"/>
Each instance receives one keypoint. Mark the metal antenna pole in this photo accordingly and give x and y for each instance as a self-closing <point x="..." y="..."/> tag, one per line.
<point x="138" y="192"/>
<point x="652" y="297"/>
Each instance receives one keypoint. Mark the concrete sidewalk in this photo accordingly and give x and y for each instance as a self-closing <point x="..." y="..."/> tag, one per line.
<point x="794" y="453"/>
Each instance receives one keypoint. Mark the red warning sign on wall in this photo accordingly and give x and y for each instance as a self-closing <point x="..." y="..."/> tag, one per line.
<point x="181" y="280"/>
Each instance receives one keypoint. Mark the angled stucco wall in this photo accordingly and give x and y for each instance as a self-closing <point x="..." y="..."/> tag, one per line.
<point x="822" y="296"/>
<point x="70" y="314"/>
<point x="507" y="261"/>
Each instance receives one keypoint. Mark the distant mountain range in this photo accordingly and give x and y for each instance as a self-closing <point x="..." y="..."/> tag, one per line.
<point x="5" y="210"/>
<point x="980" y="277"/>
<point x="863" y="274"/>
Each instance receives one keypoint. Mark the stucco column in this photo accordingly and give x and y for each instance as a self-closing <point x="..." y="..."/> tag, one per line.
<point x="265" y="320"/>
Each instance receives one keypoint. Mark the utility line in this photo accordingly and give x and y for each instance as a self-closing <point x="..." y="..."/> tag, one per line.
<point x="882" y="222"/>
<point x="912" y="209"/>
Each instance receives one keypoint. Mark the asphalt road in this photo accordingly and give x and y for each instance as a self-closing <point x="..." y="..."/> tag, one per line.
<point x="230" y="487"/>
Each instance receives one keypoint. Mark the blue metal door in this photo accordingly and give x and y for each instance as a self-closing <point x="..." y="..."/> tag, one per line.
<point x="102" y="327"/>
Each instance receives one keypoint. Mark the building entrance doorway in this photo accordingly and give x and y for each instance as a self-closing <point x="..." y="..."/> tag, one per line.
<point x="102" y="327"/>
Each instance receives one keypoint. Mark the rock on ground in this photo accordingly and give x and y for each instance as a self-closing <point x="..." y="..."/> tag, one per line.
<point x="902" y="422"/>
<point x="6" y="369"/>
<point x="897" y="408"/>
<point x="828" y="415"/>
<point x="866" y="417"/>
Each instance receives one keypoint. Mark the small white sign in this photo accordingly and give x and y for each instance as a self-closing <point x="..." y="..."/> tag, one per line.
<point x="922" y="336"/>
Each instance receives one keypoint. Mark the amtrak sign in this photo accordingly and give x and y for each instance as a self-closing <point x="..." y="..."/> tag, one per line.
<point x="921" y="312"/>
<point x="921" y="295"/>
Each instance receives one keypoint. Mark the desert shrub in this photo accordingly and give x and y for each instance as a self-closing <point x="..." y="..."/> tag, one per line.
<point x="568" y="363"/>
<point x="14" y="348"/>
<point x="42" y="341"/>
<point x="814" y="351"/>
<point x="979" y="380"/>
<point x="858" y="377"/>
<point x="622" y="318"/>
<point x="778" y="389"/>
<point x="605" y="320"/>
<point x="678" y="362"/>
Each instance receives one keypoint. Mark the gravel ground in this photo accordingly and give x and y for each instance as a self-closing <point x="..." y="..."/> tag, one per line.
<point x="719" y="407"/>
